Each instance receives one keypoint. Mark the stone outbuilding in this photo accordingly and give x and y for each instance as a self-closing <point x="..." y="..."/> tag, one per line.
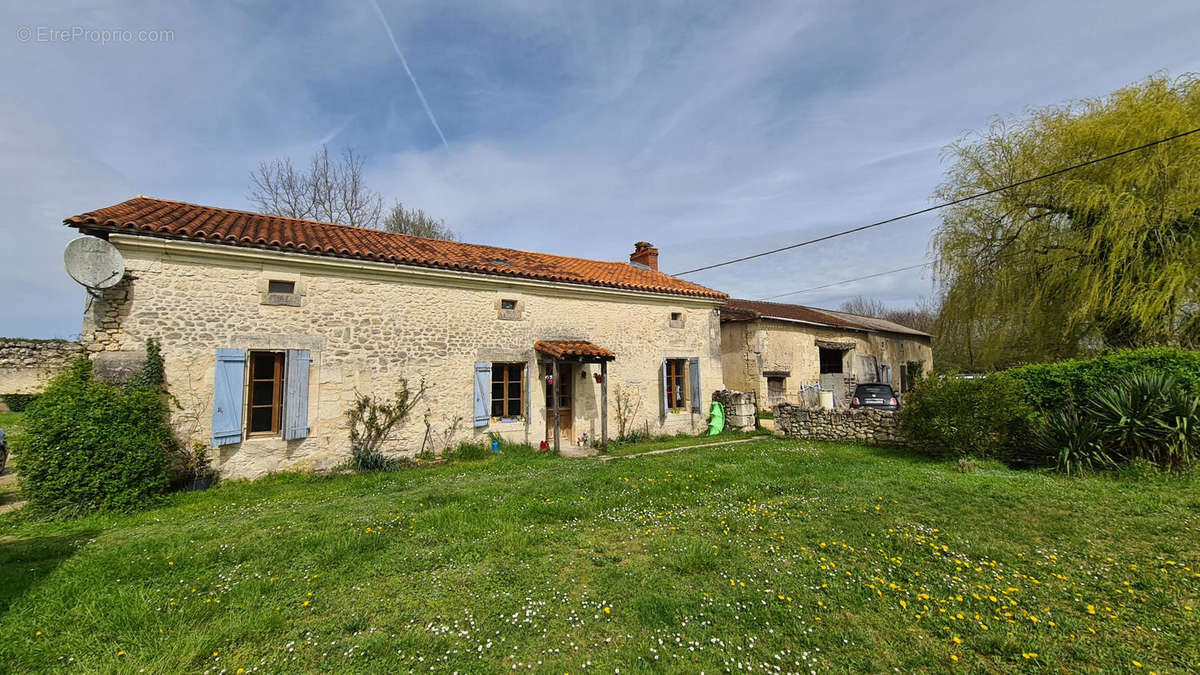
<point x="786" y="353"/>
<point x="269" y="325"/>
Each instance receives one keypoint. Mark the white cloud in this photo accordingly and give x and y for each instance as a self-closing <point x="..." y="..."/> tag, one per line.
<point x="712" y="130"/>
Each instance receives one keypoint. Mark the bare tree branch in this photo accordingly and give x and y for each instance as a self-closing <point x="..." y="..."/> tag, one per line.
<point x="332" y="190"/>
<point x="416" y="223"/>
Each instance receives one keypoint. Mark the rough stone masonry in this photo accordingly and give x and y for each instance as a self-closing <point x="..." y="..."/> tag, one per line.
<point x="859" y="425"/>
<point x="26" y="365"/>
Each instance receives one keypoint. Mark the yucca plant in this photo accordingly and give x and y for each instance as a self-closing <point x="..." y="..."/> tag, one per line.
<point x="1075" y="441"/>
<point x="1148" y="416"/>
<point x="1180" y="427"/>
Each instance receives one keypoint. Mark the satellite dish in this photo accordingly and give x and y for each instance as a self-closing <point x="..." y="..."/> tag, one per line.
<point x="94" y="262"/>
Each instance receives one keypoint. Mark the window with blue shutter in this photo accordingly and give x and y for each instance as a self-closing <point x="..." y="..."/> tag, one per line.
<point x="674" y="385"/>
<point x="483" y="394"/>
<point x="295" y="400"/>
<point x="694" y="378"/>
<point x="228" y="379"/>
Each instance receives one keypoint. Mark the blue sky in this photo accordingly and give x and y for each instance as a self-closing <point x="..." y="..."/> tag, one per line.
<point x="711" y="129"/>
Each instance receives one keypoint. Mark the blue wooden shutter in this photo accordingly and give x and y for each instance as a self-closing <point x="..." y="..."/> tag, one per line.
<point x="694" y="377"/>
<point x="527" y="383"/>
<point x="483" y="394"/>
<point x="227" y="396"/>
<point x="665" y="388"/>
<point x="295" y="400"/>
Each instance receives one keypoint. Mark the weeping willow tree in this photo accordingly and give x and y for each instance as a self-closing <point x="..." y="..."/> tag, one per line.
<point x="1106" y="256"/>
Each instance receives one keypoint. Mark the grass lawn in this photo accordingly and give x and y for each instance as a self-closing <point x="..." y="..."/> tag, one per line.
<point x="618" y="449"/>
<point x="768" y="555"/>
<point x="12" y="424"/>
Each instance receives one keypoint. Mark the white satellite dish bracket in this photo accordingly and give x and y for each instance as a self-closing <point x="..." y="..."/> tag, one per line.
<point x="94" y="263"/>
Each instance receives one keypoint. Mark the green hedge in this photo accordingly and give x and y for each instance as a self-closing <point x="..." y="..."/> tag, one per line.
<point x="1053" y="385"/>
<point x="18" y="402"/>
<point x="982" y="417"/>
<point x="89" y="445"/>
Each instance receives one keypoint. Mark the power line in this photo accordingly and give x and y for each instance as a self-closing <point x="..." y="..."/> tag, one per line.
<point x="943" y="205"/>
<point x="846" y="281"/>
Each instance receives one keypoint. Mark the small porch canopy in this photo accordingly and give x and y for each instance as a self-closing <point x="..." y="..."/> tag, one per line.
<point x="578" y="351"/>
<point x="574" y="350"/>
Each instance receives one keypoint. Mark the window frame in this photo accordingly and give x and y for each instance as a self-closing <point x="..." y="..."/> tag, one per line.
<point x="676" y="375"/>
<point x="502" y="374"/>
<point x="276" y="405"/>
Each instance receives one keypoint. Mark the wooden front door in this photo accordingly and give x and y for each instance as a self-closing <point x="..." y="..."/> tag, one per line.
<point x="565" y="414"/>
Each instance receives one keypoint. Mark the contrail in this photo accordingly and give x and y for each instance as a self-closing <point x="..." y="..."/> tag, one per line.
<point x="404" y="62"/>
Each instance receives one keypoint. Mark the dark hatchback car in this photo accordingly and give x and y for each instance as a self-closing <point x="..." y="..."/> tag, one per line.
<point x="878" y="396"/>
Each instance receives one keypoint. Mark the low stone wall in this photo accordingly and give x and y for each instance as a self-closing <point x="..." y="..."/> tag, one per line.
<point x="859" y="425"/>
<point x="739" y="409"/>
<point x="26" y="365"/>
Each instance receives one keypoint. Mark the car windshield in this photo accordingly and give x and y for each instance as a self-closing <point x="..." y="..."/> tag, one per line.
<point x="873" y="391"/>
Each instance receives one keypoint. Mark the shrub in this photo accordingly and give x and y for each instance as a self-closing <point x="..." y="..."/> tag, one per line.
<point x="90" y="446"/>
<point x="1072" y="441"/>
<point x="364" y="459"/>
<point x="371" y="421"/>
<point x="988" y="417"/>
<point x="1053" y="385"/>
<point x="193" y="463"/>
<point x="1148" y="416"/>
<point x="18" y="402"/>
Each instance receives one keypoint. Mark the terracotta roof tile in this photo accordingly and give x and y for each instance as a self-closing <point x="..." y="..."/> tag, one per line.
<point x="181" y="220"/>
<point x="560" y="349"/>
<point x="748" y="310"/>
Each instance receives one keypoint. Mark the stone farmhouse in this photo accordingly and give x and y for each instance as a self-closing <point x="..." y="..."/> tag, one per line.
<point x="269" y="325"/>
<point x="785" y="352"/>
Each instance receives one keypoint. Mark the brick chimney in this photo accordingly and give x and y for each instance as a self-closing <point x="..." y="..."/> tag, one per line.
<point x="644" y="253"/>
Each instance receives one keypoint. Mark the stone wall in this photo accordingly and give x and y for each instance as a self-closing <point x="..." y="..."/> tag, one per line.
<point x="858" y="425"/>
<point x="26" y="365"/>
<point x="740" y="414"/>
<point x="370" y="326"/>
